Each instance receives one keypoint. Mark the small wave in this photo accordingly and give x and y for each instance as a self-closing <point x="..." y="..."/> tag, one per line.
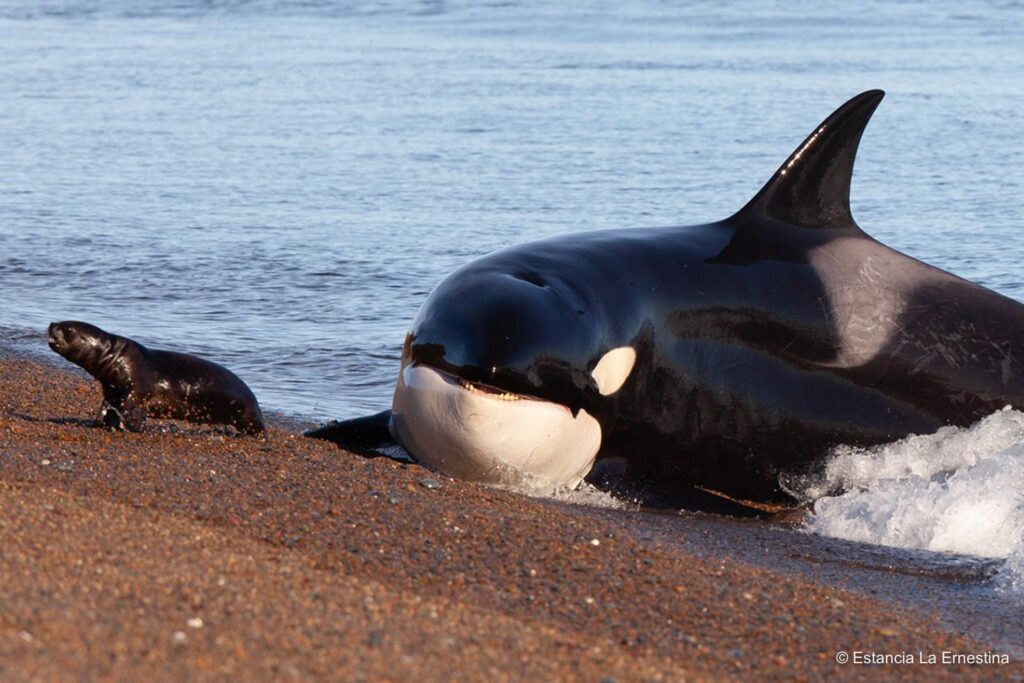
<point x="591" y="496"/>
<point x="955" y="491"/>
<point x="132" y="9"/>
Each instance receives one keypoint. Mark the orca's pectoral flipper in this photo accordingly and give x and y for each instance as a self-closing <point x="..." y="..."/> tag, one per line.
<point x="812" y="189"/>
<point x="369" y="436"/>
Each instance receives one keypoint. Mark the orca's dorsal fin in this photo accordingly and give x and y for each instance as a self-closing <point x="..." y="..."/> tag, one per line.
<point x="812" y="189"/>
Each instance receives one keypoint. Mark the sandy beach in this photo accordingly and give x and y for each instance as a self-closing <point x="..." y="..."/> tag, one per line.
<point x="190" y="554"/>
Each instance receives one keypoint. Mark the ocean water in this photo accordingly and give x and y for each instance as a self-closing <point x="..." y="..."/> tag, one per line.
<point x="958" y="491"/>
<point x="278" y="185"/>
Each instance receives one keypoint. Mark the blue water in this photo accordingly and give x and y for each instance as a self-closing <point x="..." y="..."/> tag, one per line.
<point x="277" y="186"/>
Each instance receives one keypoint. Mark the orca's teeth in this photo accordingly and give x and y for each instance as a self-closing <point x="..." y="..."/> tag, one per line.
<point x="502" y="396"/>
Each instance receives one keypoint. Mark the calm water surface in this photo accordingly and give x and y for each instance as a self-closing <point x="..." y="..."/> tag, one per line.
<point x="278" y="186"/>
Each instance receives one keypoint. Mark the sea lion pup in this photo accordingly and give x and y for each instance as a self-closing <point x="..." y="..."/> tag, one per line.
<point x="140" y="382"/>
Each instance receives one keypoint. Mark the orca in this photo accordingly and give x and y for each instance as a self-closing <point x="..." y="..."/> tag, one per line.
<point x="727" y="356"/>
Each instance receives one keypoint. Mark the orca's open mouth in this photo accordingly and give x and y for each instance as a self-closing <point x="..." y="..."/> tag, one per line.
<point x="483" y="433"/>
<point x="489" y="391"/>
<point x="492" y="392"/>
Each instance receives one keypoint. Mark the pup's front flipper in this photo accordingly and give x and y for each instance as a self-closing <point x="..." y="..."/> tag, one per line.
<point x="129" y="417"/>
<point x="106" y="416"/>
<point x="368" y="436"/>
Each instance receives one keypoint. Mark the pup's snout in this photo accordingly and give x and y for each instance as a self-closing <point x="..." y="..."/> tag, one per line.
<point x="56" y="334"/>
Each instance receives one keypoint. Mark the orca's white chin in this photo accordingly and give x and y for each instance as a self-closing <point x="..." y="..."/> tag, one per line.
<point x="496" y="438"/>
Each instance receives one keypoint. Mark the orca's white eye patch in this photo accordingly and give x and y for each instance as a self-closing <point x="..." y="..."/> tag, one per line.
<point x="612" y="371"/>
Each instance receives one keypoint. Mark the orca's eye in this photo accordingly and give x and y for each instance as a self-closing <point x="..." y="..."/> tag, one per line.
<point x="533" y="278"/>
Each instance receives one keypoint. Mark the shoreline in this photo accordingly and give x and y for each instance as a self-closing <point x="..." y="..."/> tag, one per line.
<point x="184" y="553"/>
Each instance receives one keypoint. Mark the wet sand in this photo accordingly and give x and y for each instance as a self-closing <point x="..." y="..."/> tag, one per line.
<point x="190" y="554"/>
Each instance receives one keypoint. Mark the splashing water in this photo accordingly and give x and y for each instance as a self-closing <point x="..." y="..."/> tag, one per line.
<point x="591" y="496"/>
<point x="956" y="491"/>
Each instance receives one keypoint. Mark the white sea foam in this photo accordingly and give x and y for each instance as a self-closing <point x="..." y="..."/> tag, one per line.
<point x="957" y="490"/>
<point x="584" y="494"/>
<point x="590" y="495"/>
